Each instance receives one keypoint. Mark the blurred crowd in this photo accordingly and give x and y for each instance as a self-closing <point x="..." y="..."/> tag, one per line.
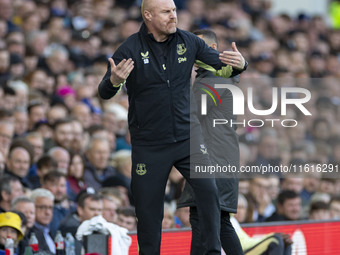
<point x="65" y="153"/>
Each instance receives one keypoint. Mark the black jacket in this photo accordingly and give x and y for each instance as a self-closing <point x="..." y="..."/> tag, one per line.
<point x="159" y="85"/>
<point x="43" y="246"/>
<point x="221" y="141"/>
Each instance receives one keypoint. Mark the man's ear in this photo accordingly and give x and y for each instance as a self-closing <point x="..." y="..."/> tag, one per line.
<point x="147" y="15"/>
<point x="214" y="46"/>
<point x="80" y="211"/>
<point x="5" y="195"/>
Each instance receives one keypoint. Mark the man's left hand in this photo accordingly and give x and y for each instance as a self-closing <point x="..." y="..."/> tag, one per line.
<point x="233" y="58"/>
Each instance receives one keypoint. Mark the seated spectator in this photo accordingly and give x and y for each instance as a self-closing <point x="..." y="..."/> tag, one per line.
<point x="10" y="226"/>
<point x="311" y="182"/>
<point x="126" y="218"/>
<point x="242" y="214"/>
<point x="259" y="199"/>
<point x="182" y="219"/>
<point x="45" y="164"/>
<point x="288" y="207"/>
<point x="97" y="167"/>
<point x="25" y="231"/>
<point x="80" y="137"/>
<point x="319" y="211"/>
<point x="334" y="208"/>
<point x="75" y="175"/>
<point x="112" y="200"/>
<point x="270" y="244"/>
<point x="44" y="201"/>
<point x="10" y="188"/>
<point x="89" y="204"/>
<point x="328" y="186"/>
<point x="36" y="112"/>
<point x="109" y="209"/>
<point x="62" y="136"/>
<point x="168" y="219"/>
<point x="61" y="156"/>
<point x="121" y="183"/>
<point x="55" y="182"/>
<point x="37" y="142"/>
<point x="292" y="181"/>
<point x="19" y="160"/>
<point x="26" y="206"/>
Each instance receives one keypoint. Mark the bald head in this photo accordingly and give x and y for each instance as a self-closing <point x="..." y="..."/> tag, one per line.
<point x="160" y="18"/>
<point x="149" y="5"/>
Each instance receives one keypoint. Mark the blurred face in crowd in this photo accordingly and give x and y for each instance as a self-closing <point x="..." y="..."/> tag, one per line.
<point x="128" y="222"/>
<point x="55" y="113"/>
<point x="99" y="154"/>
<point x="328" y="186"/>
<point x="311" y="181"/>
<point x="83" y="113"/>
<point x="6" y="135"/>
<point x="21" y="122"/>
<point x="4" y="61"/>
<point x="38" y="80"/>
<point x="109" y="210"/>
<point x="16" y="191"/>
<point x="78" y="137"/>
<point x="36" y="113"/>
<point x="76" y="167"/>
<point x="259" y="188"/>
<point x="19" y="162"/>
<point x="43" y="210"/>
<point x="57" y="187"/>
<point x="8" y="232"/>
<point x="291" y="208"/>
<point x="268" y="147"/>
<point x="28" y="209"/>
<point x="63" y="135"/>
<point x="274" y="187"/>
<point x="91" y="209"/>
<point x="62" y="157"/>
<point x="242" y="208"/>
<point x="184" y="215"/>
<point x="321" y="214"/>
<point x="110" y="122"/>
<point x="335" y="210"/>
<point x="38" y="146"/>
<point x="168" y="220"/>
<point x="293" y="183"/>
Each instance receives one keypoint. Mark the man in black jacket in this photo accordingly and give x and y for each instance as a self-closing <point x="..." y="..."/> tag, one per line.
<point x="156" y="64"/>
<point x="222" y="144"/>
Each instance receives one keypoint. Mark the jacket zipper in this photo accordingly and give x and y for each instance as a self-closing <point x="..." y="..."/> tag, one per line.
<point x="172" y="111"/>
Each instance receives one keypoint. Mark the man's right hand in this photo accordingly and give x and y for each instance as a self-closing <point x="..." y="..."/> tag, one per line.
<point x="120" y="72"/>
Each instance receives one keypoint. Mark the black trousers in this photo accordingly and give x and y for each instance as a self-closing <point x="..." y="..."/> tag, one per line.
<point x="229" y="239"/>
<point x="151" y="166"/>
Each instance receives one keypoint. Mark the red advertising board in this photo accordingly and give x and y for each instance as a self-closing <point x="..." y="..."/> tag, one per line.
<point x="310" y="238"/>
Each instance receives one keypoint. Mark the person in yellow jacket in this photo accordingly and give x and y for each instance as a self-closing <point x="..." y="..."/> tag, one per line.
<point x="334" y="13"/>
<point x="10" y="226"/>
<point x="270" y="244"/>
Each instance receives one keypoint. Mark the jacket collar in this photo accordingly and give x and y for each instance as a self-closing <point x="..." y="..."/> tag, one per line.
<point x="144" y="31"/>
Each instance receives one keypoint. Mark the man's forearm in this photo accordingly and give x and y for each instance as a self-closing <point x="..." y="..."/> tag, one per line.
<point x="106" y="90"/>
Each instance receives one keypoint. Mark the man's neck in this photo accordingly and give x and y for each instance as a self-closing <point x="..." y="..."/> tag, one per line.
<point x="158" y="37"/>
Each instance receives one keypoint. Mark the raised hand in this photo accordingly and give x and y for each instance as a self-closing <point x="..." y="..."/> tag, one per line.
<point x="233" y="58"/>
<point x="120" y="72"/>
